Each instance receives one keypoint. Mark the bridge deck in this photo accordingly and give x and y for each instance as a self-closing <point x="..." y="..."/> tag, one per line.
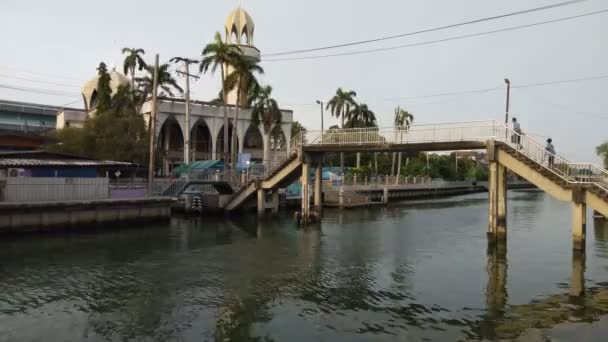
<point x="405" y="147"/>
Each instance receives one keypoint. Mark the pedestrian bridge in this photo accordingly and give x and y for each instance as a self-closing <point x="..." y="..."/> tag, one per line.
<point x="583" y="184"/>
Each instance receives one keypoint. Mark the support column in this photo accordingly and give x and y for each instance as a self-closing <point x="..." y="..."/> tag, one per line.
<point x="275" y="202"/>
<point x="496" y="290"/>
<point x="305" y="194"/>
<point x="493" y="202"/>
<point x="261" y="202"/>
<point x="319" y="188"/>
<point x="385" y="195"/>
<point x="166" y="146"/>
<point x="501" y="193"/>
<point x="577" y="279"/>
<point x="579" y="227"/>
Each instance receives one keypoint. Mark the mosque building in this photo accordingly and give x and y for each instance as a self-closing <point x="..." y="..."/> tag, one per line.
<point x="206" y="118"/>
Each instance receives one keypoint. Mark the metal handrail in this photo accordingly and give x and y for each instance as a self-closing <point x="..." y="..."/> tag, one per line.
<point x="573" y="173"/>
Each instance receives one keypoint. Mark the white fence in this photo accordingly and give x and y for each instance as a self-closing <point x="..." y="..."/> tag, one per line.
<point x="33" y="189"/>
<point x="53" y="189"/>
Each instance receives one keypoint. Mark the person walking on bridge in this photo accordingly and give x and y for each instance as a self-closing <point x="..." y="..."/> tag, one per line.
<point x="516" y="138"/>
<point x="551" y="152"/>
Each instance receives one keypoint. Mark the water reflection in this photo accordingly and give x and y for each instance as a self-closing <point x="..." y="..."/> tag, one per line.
<point x="417" y="270"/>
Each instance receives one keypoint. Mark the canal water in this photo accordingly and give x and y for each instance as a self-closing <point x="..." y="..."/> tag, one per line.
<point x="412" y="271"/>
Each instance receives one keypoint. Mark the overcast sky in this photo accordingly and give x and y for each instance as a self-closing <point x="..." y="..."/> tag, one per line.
<point x="62" y="41"/>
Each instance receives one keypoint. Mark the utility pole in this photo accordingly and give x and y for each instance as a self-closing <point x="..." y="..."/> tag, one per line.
<point x="508" y="102"/>
<point x="153" y="127"/>
<point x="187" y="74"/>
<point x="321" y="103"/>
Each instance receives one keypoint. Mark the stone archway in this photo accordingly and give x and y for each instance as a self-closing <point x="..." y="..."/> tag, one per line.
<point x="253" y="143"/>
<point x="170" y="146"/>
<point x="202" y="144"/>
<point x="219" y="145"/>
<point x="278" y="141"/>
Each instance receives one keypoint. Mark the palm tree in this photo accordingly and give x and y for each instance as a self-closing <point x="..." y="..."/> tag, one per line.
<point x="133" y="60"/>
<point x="403" y="121"/>
<point x="264" y="108"/>
<point x="340" y="106"/>
<point x="166" y="81"/>
<point x="243" y="78"/>
<point x="602" y="151"/>
<point x="360" y="116"/>
<point x="219" y="54"/>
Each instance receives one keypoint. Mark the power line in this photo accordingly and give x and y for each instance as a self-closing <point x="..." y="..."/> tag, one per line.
<point x="39" y="73"/>
<point x="40" y="81"/>
<point x="426" y="30"/>
<point x="40" y="91"/>
<point x="486" y="90"/>
<point x="560" y="82"/>
<point x="445" y="94"/>
<point x="435" y="41"/>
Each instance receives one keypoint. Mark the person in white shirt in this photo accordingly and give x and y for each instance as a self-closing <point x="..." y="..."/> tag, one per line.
<point x="516" y="138"/>
<point x="551" y="152"/>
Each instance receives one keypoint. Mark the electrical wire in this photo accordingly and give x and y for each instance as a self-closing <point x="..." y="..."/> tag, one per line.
<point x="40" y="91"/>
<point x="40" y="74"/>
<point x="437" y="40"/>
<point x="426" y="30"/>
<point x="40" y="81"/>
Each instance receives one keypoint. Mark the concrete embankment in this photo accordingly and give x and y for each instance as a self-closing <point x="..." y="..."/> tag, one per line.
<point x="49" y="216"/>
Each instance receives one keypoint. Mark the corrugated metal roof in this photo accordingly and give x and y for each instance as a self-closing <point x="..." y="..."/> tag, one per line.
<point x="29" y="162"/>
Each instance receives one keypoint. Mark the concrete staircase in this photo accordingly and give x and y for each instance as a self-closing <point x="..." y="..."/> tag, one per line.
<point x="175" y="188"/>
<point x="560" y="180"/>
<point x="280" y="175"/>
<point x="351" y="198"/>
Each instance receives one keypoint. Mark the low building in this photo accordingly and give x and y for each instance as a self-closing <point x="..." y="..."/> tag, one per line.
<point x="48" y="164"/>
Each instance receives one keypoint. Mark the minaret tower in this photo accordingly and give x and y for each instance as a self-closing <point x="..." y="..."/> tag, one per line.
<point x="239" y="30"/>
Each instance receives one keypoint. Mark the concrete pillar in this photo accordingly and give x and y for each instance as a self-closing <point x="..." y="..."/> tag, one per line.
<point x="319" y="188"/>
<point x="341" y="197"/>
<point x="305" y="194"/>
<point x="261" y="202"/>
<point x="577" y="279"/>
<point x="275" y="202"/>
<point x="385" y="195"/>
<point x="213" y="146"/>
<point x="579" y="226"/>
<point x="501" y="193"/>
<point x="496" y="292"/>
<point x="166" y="146"/>
<point x="492" y="202"/>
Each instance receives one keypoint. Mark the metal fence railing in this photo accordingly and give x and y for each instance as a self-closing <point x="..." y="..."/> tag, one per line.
<point x="57" y="189"/>
<point x="571" y="172"/>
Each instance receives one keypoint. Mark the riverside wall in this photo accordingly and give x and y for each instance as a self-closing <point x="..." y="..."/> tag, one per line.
<point x="50" y="216"/>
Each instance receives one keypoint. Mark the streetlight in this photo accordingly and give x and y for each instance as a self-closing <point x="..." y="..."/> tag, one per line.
<point x="321" y="103"/>
<point x="508" y="101"/>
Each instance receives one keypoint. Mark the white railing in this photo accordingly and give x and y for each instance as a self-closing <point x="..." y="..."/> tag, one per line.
<point x="58" y="189"/>
<point x="480" y="131"/>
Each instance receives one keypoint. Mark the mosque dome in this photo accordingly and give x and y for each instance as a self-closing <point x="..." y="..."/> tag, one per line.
<point x="89" y="90"/>
<point x="239" y="25"/>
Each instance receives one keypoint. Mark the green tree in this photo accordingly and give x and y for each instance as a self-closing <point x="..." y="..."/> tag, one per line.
<point x="104" y="91"/>
<point x="296" y="128"/>
<point x="340" y="106"/>
<point x="403" y="121"/>
<point x="166" y="81"/>
<point x="243" y="78"/>
<point x="219" y="54"/>
<point x="265" y="109"/>
<point x="602" y="151"/>
<point x="133" y="60"/>
<point x="115" y="132"/>
<point x="360" y="116"/>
